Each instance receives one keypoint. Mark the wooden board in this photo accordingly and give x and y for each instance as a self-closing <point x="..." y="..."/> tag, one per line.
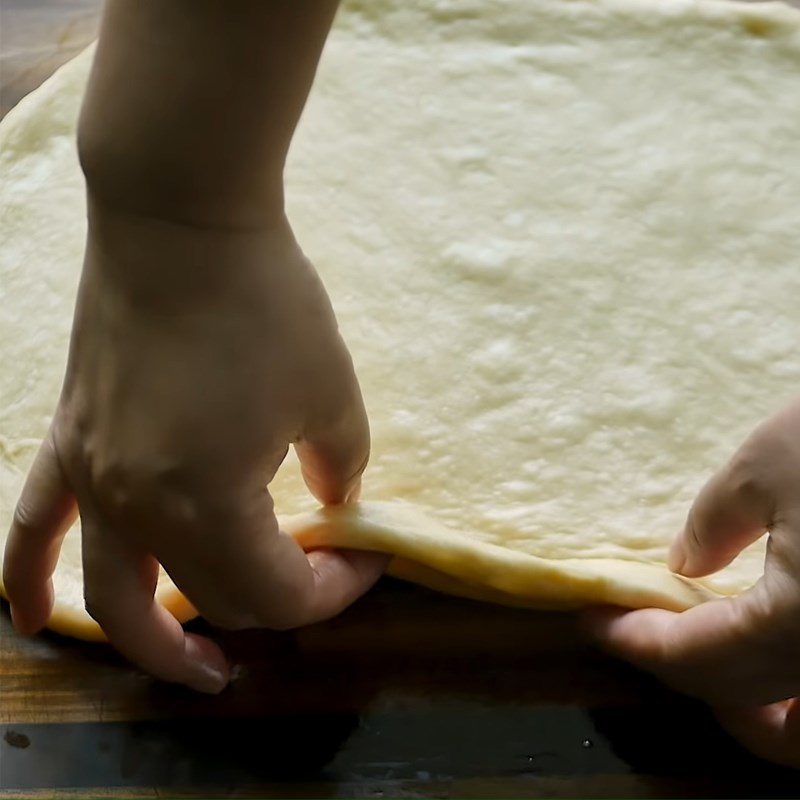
<point x="408" y="693"/>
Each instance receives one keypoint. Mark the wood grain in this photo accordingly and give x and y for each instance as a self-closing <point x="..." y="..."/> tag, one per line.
<point x="407" y="693"/>
<point x="399" y="640"/>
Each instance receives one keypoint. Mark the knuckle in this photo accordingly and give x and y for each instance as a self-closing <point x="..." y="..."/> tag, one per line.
<point x="86" y="449"/>
<point x="24" y="518"/>
<point x="136" y="489"/>
<point x="745" y="476"/>
<point x="116" y="484"/>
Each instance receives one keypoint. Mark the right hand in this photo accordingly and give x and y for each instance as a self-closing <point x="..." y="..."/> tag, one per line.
<point x="740" y="654"/>
<point x="197" y="357"/>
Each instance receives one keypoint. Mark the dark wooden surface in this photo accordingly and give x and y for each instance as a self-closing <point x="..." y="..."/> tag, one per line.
<point x="408" y="693"/>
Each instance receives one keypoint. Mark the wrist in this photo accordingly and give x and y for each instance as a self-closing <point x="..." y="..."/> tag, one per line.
<point x="190" y="107"/>
<point x="163" y="265"/>
<point x="135" y="180"/>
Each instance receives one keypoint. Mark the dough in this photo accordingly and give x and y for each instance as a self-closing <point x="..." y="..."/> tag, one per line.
<point x="561" y="238"/>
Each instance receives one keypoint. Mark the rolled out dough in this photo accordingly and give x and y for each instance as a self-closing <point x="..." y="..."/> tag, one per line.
<point x="562" y="241"/>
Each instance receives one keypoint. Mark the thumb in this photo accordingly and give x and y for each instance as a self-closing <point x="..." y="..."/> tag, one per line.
<point x="731" y="512"/>
<point x="334" y="448"/>
<point x="772" y="732"/>
<point x="44" y="513"/>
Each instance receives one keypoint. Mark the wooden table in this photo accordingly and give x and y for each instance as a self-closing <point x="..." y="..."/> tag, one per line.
<point x="409" y="693"/>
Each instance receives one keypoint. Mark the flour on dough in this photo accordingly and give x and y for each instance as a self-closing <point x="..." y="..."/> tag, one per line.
<point x="561" y="239"/>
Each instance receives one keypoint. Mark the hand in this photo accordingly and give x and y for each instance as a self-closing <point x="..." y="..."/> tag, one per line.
<point x="197" y="357"/>
<point x="741" y="654"/>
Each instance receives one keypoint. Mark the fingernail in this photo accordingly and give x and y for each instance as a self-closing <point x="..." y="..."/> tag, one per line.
<point x="209" y="671"/>
<point x="676" y="560"/>
<point x="207" y="678"/>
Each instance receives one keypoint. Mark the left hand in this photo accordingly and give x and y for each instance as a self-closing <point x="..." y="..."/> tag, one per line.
<point x="742" y="654"/>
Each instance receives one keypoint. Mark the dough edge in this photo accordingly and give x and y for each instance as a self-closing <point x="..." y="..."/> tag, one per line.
<point x="426" y="553"/>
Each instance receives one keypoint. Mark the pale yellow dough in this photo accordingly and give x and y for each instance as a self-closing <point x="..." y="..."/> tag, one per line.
<point x="562" y="241"/>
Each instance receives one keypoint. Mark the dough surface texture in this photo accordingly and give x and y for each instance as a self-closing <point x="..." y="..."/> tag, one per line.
<point x="561" y="238"/>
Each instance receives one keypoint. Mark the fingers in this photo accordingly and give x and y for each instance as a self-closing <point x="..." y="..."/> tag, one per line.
<point x="340" y="577"/>
<point x="636" y="636"/>
<point x="771" y="732"/>
<point x="731" y="512"/>
<point x="44" y="513"/>
<point x="254" y="575"/>
<point x="334" y="448"/>
<point x="318" y="585"/>
<point x="119" y="586"/>
<point x="721" y="651"/>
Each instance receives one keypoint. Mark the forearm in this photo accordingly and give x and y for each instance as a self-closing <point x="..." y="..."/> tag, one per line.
<point x="192" y="104"/>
